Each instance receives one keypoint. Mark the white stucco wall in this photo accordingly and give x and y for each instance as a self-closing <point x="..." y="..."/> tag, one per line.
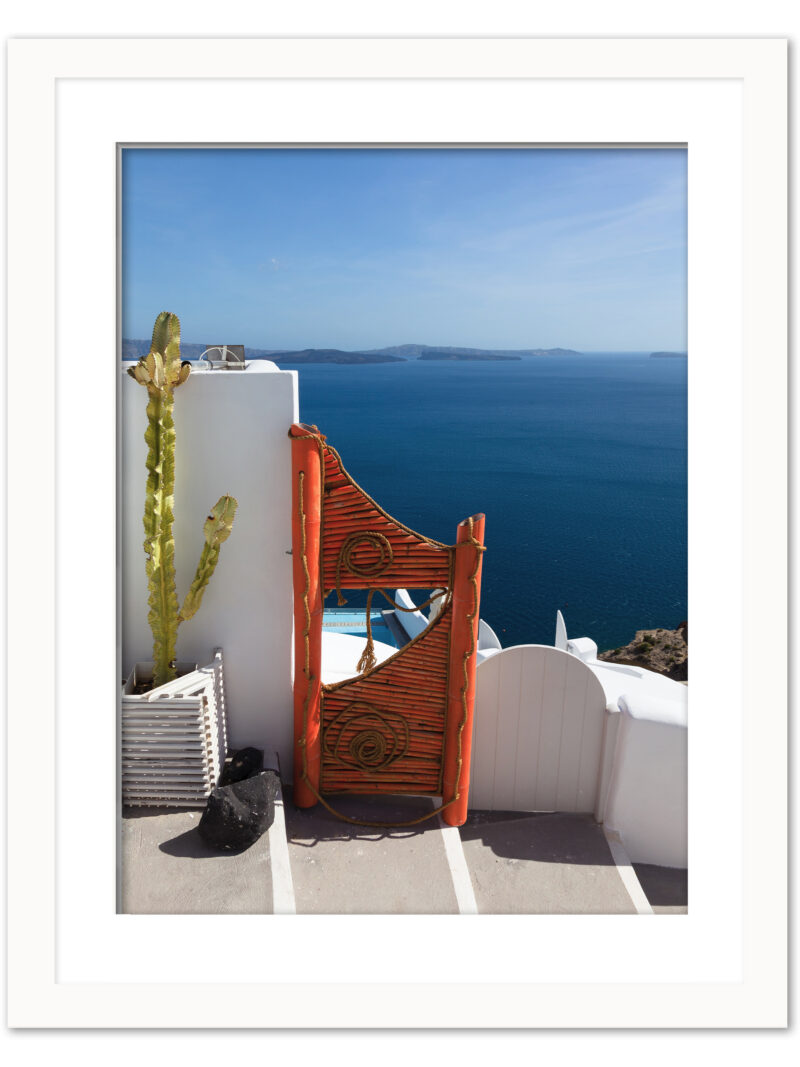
<point x="647" y="800"/>
<point x="232" y="437"/>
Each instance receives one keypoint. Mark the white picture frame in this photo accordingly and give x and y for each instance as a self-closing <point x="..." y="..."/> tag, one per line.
<point x="72" y="961"/>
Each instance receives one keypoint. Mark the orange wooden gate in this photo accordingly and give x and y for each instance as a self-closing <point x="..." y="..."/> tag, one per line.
<point x="405" y="725"/>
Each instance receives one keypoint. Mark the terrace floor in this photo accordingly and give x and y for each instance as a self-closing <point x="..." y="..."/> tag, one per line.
<point x="310" y="862"/>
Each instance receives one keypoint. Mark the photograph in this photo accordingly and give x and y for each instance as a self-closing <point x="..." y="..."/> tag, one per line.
<point x="383" y="412"/>
<point x="402" y="529"/>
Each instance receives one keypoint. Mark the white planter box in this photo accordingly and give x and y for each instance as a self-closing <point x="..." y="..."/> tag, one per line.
<point x="174" y="738"/>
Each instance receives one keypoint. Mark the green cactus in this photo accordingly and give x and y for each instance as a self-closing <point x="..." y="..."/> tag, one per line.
<point x="161" y="372"/>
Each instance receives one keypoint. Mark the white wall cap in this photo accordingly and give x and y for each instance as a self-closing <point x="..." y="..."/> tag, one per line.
<point x="482" y="654"/>
<point x="582" y="647"/>
<point x="618" y="679"/>
<point x="645" y="708"/>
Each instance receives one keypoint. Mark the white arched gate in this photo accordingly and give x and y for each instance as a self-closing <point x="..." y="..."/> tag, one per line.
<point x="538" y="733"/>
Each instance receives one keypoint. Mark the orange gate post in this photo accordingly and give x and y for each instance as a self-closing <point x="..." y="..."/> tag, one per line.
<point x="461" y="674"/>
<point x="306" y="529"/>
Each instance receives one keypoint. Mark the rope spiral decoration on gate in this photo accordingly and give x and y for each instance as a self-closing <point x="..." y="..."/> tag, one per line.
<point x="347" y="559"/>
<point x="364" y="737"/>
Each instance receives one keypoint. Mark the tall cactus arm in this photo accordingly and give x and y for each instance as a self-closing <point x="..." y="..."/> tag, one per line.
<point x="216" y="529"/>
<point x="159" y="545"/>
<point x="161" y="371"/>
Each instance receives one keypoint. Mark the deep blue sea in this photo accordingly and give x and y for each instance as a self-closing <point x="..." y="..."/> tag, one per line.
<point x="578" y="462"/>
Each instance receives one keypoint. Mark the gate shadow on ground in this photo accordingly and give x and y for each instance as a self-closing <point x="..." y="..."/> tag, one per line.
<point x="306" y="827"/>
<point x="546" y="837"/>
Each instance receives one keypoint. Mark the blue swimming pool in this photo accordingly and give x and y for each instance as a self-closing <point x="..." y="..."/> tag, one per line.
<point x="346" y="621"/>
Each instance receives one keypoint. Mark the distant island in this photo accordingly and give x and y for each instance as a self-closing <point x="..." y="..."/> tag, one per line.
<point x="135" y="349"/>
<point x="668" y="355"/>
<point x="448" y="354"/>
<point x="331" y="355"/>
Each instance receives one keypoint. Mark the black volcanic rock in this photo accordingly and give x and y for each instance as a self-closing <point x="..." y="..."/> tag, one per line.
<point x="245" y="763"/>
<point x="237" y="815"/>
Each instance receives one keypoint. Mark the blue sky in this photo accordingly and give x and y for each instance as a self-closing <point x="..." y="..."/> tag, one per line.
<point x="352" y="248"/>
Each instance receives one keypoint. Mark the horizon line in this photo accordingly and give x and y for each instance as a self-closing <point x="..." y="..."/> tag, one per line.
<point x="420" y="344"/>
